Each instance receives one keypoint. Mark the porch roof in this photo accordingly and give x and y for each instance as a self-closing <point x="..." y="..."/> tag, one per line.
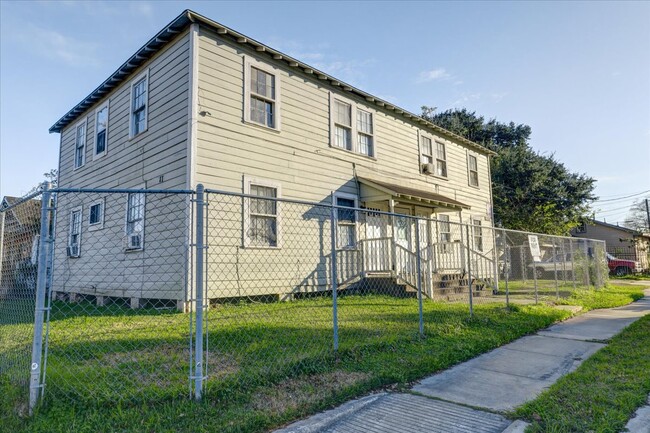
<point x="417" y="195"/>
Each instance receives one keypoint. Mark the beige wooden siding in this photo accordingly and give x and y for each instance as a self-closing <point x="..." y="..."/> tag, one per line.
<point x="301" y="159"/>
<point x="105" y="268"/>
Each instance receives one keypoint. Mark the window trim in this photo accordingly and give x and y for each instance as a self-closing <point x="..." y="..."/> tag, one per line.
<point x="336" y="195"/>
<point x="79" y="210"/>
<point x="355" y="107"/>
<point x="77" y="125"/>
<point x="134" y="82"/>
<point x="277" y="102"/>
<point x="469" y="171"/>
<point x="445" y="245"/>
<point x="97" y="155"/>
<point x="268" y="183"/>
<point x="98" y="225"/>
<point x="477" y="222"/>
<point x="126" y="223"/>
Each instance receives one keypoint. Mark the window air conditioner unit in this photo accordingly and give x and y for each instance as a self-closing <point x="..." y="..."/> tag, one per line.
<point x="73" y="250"/>
<point x="428" y="169"/>
<point x="134" y="241"/>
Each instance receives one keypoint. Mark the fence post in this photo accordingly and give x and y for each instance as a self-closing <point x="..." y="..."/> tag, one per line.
<point x="35" y="386"/>
<point x="198" y="341"/>
<point x="557" y="288"/>
<point x="506" y="271"/>
<point x="469" y="272"/>
<point x="334" y="276"/>
<point x="418" y="270"/>
<point x="573" y="265"/>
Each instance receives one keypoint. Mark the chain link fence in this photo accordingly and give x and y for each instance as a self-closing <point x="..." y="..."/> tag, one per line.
<point x="153" y="295"/>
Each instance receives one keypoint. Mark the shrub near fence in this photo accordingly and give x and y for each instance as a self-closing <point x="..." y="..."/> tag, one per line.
<point x="155" y="295"/>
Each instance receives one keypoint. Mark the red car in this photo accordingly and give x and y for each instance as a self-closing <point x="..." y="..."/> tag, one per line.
<point x="620" y="267"/>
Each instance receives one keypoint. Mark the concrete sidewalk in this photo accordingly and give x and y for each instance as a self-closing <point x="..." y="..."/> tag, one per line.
<point x="498" y="381"/>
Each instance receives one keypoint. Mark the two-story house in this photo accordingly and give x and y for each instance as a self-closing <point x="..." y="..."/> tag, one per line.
<point x="200" y="103"/>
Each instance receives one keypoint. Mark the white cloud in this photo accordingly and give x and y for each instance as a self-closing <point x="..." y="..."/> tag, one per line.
<point x="467" y="97"/>
<point x="57" y="46"/>
<point x="433" y="75"/>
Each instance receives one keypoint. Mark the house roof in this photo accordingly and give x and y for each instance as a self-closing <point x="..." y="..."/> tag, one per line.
<point x="624" y="229"/>
<point x="187" y="17"/>
<point x="414" y="194"/>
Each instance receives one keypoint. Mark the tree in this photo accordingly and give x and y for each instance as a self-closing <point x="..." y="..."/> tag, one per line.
<point x="531" y="192"/>
<point x="637" y="217"/>
<point x="51" y="176"/>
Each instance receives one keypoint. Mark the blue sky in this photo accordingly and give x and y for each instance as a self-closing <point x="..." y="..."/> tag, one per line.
<point x="578" y="72"/>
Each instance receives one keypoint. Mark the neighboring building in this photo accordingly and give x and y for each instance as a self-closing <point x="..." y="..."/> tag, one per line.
<point x="621" y="242"/>
<point x="19" y="228"/>
<point x="202" y="103"/>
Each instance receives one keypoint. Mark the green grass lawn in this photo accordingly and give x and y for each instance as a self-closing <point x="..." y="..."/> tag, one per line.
<point x="602" y="394"/>
<point x="120" y="370"/>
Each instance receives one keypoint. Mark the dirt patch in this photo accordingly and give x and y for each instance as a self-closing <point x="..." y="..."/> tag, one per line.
<point x="297" y="392"/>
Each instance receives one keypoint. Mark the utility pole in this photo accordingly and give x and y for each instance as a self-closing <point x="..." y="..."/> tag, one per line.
<point x="647" y="211"/>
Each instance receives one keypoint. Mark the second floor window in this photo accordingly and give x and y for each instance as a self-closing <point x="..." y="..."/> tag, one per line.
<point x="441" y="159"/>
<point x="101" y="130"/>
<point x="473" y="170"/>
<point x="139" y="103"/>
<point x="364" y="133"/>
<point x="80" y="145"/>
<point x="351" y="128"/>
<point x="262" y="97"/>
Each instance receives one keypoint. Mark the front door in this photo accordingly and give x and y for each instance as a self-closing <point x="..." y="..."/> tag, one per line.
<point x="377" y="242"/>
<point x="404" y="257"/>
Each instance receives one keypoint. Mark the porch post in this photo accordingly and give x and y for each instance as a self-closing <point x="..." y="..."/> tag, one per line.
<point x="469" y="271"/>
<point x="391" y="208"/>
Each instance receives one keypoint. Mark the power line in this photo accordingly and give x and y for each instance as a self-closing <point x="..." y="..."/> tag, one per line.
<point x="624" y="197"/>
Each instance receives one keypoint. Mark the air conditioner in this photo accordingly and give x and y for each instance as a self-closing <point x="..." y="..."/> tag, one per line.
<point x="134" y="241"/>
<point x="428" y="169"/>
<point x="73" y="250"/>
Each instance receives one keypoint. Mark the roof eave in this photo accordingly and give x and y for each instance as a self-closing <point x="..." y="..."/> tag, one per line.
<point x="189" y="16"/>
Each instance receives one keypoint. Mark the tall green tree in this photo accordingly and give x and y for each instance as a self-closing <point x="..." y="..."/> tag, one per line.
<point x="531" y="192"/>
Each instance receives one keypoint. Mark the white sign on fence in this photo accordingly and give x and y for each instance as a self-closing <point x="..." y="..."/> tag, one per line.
<point x="533" y="242"/>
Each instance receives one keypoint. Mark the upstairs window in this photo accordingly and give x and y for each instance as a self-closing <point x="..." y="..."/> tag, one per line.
<point x="364" y="133"/>
<point x="472" y="164"/>
<point x="351" y="128"/>
<point x="135" y="221"/>
<point x="101" y="130"/>
<point x="262" y="95"/>
<point x="342" y="125"/>
<point x="139" y="104"/>
<point x="426" y="150"/>
<point x="441" y="159"/>
<point x="80" y="145"/>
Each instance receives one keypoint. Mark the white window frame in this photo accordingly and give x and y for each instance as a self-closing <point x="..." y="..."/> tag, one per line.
<point x="134" y="82"/>
<point x="250" y="62"/>
<point x="440" y="220"/>
<point x="248" y="181"/>
<point x="97" y="155"/>
<point x="469" y="171"/>
<point x="98" y="225"/>
<point x="127" y="248"/>
<point x="354" y="224"/>
<point x="84" y="124"/>
<point x="477" y="222"/>
<point x="355" y="108"/>
<point x="77" y="210"/>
